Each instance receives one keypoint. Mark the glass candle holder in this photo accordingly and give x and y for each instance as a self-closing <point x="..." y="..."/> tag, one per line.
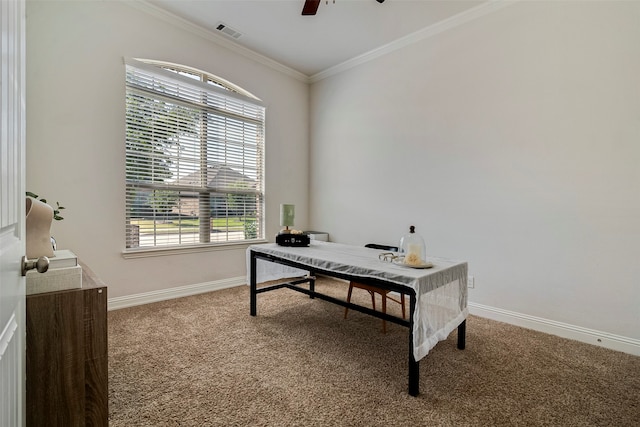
<point x="412" y="247"/>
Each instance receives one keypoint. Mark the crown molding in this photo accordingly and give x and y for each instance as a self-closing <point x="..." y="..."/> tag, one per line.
<point x="184" y="24"/>
<point x="425" y="33"/>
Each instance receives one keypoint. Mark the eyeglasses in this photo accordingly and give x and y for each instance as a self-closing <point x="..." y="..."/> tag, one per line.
<point x="388" y="256"/>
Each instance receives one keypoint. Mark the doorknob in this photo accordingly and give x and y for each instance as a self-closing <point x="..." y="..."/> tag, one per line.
<point x="41" y="265"/>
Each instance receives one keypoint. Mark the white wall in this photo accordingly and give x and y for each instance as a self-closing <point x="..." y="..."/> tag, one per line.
<point x="512" y="142"/>
<point x="76" y="131"/>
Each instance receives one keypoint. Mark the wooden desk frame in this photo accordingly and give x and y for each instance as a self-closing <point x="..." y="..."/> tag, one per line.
<point x="414" y="365"/>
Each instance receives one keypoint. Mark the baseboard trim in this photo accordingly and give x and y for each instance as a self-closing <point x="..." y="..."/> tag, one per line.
<point x="171" y="293"/>
<point x="564" y="330"/>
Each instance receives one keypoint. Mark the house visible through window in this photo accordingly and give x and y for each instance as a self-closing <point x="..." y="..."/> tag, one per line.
<point x="194" y="158"/>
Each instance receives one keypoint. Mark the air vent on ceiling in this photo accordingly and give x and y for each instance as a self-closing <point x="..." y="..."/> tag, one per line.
<point x="228" y="31"/>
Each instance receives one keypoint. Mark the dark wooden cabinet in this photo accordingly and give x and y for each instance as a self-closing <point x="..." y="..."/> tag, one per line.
<point x="67" y="361"/>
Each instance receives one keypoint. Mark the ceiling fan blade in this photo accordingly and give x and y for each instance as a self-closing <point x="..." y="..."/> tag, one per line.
<point x="310" y="7"/>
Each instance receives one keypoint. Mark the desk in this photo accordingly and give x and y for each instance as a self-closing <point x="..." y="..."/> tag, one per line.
<point x="438" y="295"/>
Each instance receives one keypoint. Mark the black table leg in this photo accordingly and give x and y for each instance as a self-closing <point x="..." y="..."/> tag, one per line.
<point x="462" y="332"/>
<point x="414" y="365"/>
<point x="312" y="283"/>
<point x="253" y="301"/>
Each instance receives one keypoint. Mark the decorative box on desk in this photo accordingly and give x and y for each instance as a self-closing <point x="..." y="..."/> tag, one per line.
<point x="63" y="273"/>
<point x="292" y="239"/>
<point x="322" y="236"/>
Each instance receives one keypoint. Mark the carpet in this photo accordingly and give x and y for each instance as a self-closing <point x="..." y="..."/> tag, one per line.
<point x="203" y="361"/>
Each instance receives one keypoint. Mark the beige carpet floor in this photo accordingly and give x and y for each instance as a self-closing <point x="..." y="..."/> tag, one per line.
<point x="203" y="361"/>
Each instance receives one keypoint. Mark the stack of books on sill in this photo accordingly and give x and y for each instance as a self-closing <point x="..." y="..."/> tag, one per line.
<point x="64" y="273"/>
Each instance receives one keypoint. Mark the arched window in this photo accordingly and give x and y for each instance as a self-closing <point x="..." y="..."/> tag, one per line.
<point x="194" y="158"/>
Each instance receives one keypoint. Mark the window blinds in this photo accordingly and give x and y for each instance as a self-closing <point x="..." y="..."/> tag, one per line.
<point x="194" y="155"/>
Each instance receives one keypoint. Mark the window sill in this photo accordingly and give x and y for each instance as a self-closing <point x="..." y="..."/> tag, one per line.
<point x="154" y="252"/>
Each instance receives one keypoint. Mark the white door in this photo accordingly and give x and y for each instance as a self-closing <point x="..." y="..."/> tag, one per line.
<point x="12" y="213"/>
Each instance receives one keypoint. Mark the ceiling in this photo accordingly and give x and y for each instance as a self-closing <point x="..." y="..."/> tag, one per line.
<point x="341" y="30"/>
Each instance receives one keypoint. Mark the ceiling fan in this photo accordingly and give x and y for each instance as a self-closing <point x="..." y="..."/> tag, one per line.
<point x="311" y="6"/>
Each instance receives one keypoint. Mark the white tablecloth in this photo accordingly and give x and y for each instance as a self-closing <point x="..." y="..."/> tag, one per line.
<point x="441" y="291"/>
